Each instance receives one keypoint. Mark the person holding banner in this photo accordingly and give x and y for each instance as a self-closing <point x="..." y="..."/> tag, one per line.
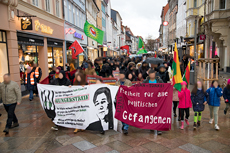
<point x="153" y="79"/>
<point x="80" y="80"/>
<point x="184" y="103"/>
<point x="90" y="70"/>
<point x="60" y="81"/>
<point x="125" y="82"/>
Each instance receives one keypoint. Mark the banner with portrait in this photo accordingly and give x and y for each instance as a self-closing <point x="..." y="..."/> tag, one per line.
<point x="146" y="106"/>
<point x="88" y="108"/>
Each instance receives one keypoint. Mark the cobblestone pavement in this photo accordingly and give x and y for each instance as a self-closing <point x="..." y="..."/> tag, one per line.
<point x="34" y="135"/>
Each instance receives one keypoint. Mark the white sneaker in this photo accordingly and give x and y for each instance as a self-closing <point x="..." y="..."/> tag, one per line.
<point x="217" y="127"/>
<point x="54" y="128"/>
<point x="210" y="121"/>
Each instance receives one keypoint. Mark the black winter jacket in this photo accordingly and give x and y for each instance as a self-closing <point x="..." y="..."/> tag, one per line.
<point x="198" y="100"/>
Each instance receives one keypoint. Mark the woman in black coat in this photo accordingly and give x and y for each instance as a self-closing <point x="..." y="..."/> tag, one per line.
<point x="60" y="81"/>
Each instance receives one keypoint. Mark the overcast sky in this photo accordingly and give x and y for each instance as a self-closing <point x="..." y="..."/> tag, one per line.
<point x="142" y="16"/>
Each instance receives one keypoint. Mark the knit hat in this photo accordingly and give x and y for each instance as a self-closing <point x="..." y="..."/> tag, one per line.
<point x="183" y="83"/>
<point x="122" y="72"/>
<point x="228" y="81"/>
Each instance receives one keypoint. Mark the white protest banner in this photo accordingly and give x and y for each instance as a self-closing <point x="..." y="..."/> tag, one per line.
<point x="88" y="108"/>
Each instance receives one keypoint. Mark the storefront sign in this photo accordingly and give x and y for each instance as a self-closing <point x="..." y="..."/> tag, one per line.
<point x="145" y="106"/>
<point x="44" y="28"/>
<point x="26" y="24"/>
<point x="75" y="34"/>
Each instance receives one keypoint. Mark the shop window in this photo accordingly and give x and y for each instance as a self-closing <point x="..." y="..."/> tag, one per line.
<point x="47" y="5"/>
<point x="55" y="57"/>
<point x="222" y="4"/>
<point x="28" y="54"/>
<point x="3" y="55"/>
<point x="57" y="8"/>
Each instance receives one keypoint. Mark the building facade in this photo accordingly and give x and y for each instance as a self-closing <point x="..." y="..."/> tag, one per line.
<point x="91" y="13"/>
<point x="75" y="17"/>
<point x="217" y="31"/>
<point x="194" y="13"/>
<point x="32" y="32"/>
<point x="181" y="27"/>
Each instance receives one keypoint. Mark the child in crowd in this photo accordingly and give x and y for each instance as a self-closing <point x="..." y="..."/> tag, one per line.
<point x="226" y="96"/>
<point x="175" y="102"/>
<point x="184" y="103"/>
<point x="198" y="100"/>
<point x="213" y="97"/>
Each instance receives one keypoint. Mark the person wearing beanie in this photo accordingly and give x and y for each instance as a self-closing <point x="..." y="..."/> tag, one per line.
<point x="226" y="96"/>
<point x="213" y="95"/>
<point x="125" y="82"/>
<point x="163" y="74"/>
<point x="184" y="103"/>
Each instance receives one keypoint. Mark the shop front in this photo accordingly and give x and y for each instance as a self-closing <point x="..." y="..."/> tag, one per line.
<point x="73" y="33"/>
<point x="93" y="51"/>
<point x="4" y="64"/>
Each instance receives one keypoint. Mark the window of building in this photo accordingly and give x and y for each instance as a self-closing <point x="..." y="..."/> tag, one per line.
<point x="70" y="14"/>
<point x="47" y="5"/>
<point x="74" y="17"/>
<point x="35" y="2"/>
<point x="66" y="10"/>
<point x="103" y="8"/>
<point x="80" y="20"/>
<point x="83" y="20"/>
<point x="222" y="4"/>
<point x="103" y="22"/>
<point x="195" y="3"/>
<point x="57" y="8"/>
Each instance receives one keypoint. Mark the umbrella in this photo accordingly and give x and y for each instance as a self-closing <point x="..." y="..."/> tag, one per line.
<point x="154" y="60"/>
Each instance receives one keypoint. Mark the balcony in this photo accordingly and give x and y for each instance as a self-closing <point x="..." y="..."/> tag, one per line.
<point x="192" y="12"/>
<point x="13" y="3"/>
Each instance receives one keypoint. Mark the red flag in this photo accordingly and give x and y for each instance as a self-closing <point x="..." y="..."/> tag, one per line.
<point x="155" y="55"/>
<point x="76" y="49"/>
<point x="126" y="47"/>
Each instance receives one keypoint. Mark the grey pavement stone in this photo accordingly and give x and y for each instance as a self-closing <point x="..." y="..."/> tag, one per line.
<point x="193" y="148"/>
<point x="4" y="139"/>
<point x="84" y="145"/>
<point x="113" y="151"/>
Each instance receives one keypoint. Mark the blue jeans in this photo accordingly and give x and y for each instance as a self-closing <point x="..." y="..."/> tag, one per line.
<point x="31" y="95"/>
<point x="126" y="126"/>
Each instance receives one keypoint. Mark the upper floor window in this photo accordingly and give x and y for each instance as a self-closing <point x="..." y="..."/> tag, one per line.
<point x="66" y="10"/>
<point x="47" y="5"/>
<point x="195" y="3"/>
<point x="35" y="2"/>
<point x="57" y="8"/>
<point x="103" y="8"/>
<point x="70" y="14"/>
<point x="222" y="4"/>
<point x="74" y="17"/>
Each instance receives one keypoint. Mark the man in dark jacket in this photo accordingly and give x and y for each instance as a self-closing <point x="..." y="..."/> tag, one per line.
<point x="163" y="74"/>
<point x="152" y="78"/>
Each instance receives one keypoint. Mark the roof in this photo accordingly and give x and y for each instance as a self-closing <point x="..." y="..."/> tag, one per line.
<point x="128" y="29"/>
<point x="166" y="8"/>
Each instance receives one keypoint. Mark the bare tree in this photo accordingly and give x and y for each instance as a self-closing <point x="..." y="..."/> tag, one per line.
<point x="150" y="43"/>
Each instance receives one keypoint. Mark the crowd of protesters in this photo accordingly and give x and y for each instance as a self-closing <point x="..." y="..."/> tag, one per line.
<point x="130" y="69"/>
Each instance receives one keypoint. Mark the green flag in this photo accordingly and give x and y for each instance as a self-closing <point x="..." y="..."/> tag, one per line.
<point x="92" y="32"/>
<point x="142" y="51"/>
<point x="141" y="44"/>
